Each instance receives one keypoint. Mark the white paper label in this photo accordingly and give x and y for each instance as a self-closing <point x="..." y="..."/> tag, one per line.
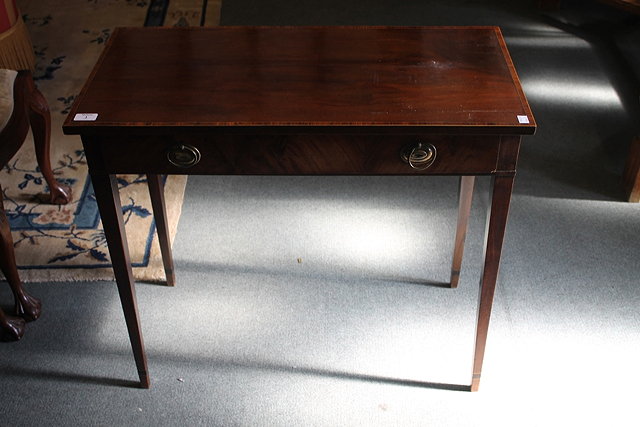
<point x="523" y="119"/>
<point x="85" y="117"/>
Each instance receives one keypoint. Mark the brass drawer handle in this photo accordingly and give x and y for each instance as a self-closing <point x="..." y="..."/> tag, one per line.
<point x="183" y="156"/>
<point x="419" y="156"/>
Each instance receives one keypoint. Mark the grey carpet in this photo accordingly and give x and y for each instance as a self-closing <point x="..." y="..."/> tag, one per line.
<point x="348" y="336"/>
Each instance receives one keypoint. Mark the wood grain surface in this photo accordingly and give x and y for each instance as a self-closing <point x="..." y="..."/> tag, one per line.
<point x="441" y="79"/>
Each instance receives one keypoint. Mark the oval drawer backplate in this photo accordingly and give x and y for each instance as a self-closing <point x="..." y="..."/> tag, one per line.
<point x="418" y="155"/>
<point x="183" y="156"/>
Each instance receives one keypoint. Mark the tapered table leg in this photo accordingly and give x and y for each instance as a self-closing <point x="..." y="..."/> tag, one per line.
<point x="464" y="209"/>
<point x="156" y="192"/>
<point x="631" y="176"/>
<point x="108" y="198"/>
<point x="496" y="224"/>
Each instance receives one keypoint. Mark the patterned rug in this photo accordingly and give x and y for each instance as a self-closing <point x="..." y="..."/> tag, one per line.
<point x="61" y="243"/>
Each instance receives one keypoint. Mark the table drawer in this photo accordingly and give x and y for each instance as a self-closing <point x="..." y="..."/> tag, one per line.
<point x="302" y="154"/>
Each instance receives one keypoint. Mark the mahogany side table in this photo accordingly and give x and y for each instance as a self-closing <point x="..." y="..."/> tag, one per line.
<point x="302" y="101"/>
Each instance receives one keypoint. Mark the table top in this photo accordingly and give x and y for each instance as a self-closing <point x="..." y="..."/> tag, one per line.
<point x="360" y="79"/>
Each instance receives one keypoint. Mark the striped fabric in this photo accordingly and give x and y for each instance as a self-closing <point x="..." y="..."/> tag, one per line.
<point x="8" y="14"/>
<point x="16" y="51"/>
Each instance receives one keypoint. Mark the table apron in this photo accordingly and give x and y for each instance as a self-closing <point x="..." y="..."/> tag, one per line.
<point x="293" y="154"/>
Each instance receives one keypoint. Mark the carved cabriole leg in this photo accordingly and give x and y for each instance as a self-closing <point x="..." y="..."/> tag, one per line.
<point x="494" y="236"/>
<point x="40" y="119"/>
<point x="16" y="129"/>
<point x="464" y="209"/>
<point x="26" y="306"/>
<point x="107" y="195"/>
<point x="156" y="192"/>
<point x="12" y="327"/>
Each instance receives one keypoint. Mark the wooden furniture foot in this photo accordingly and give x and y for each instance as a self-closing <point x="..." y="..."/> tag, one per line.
<point x="11" y="328"/>
<point x="464" y="209"/>
<point x="26" y="306"/>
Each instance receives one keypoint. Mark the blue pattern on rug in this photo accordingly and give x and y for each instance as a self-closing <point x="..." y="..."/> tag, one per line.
<point x="32" y="219"/>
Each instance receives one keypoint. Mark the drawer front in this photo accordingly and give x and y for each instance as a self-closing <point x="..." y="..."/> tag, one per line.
<point x="301" y="155"/>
